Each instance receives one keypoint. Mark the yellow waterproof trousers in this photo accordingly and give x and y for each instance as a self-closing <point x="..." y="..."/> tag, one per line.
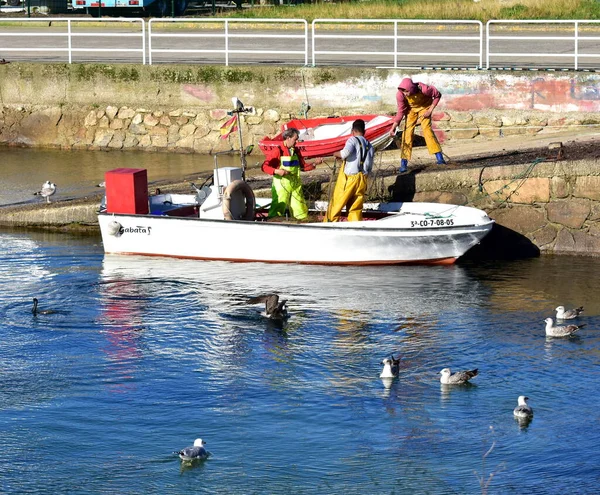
<point x="349" y="192"/>
<point x="286" y="192"/>
<point x="417" y="109"/>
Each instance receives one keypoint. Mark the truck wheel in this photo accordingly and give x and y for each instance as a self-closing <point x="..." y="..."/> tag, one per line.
<point x="13" y="3"/>
<point x="180" y="6"/>
<point x="161" y="8"/>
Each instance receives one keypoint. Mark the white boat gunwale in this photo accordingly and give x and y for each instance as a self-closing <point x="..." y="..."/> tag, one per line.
<point x="364" y="226"/>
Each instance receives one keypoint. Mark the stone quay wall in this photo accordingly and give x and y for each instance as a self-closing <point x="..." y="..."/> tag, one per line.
<point x="553" y="208"/>
<point x="181" y="108"/>
<point x="548" y="207"/>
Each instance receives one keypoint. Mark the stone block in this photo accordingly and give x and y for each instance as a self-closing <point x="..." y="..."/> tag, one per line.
<point x="490" y="132"/>
<point x="570" y="213"/>
<point x="528" y="191"/>
<point x="520" y="218"/>
<point x="586" y="244"/>
<point x="544" y="236"/>
<point x="218" y="114"/>
<point x="460" y="118"/>
<point x="158" y="131"/>
<point x="187" y="130"/>
<point x="137" y="129"/>
<point x="182" y="120"/>
<point x="514" y="131"/>
<point x="138" y="118"/>
<point x="450" y="198"/>
<point x="130" y="141"/>
<point x="587" y="187"/>
<point x="513" y="120"/>
<point x="150" y="120"/>
<point x="564" y="242"/>
<point x="126" y="113"/>
<point x="186" y="142"/>
<point x="145" y="141"/>
<point x="201" y="120"/>
<point x="176" y="113"/>
<point x="559" y="187"/>
<point x="103" y="137"/>
<point x="90" y="119"/>
<point x="117" y="124"/>
<point x="457" y="133"/>
<point x="202" y="131"/>
<point x="488" y="121"/>
<point x="103" y="122"/>
<point x="595" y="212"/>
<point x="111" y="112"/>
<point x="159" y="141"/>
<point x="165" y="120"/>
<point x="271" y="116"/>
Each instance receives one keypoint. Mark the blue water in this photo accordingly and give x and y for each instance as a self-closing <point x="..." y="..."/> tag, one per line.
<point x="145" y="355"/>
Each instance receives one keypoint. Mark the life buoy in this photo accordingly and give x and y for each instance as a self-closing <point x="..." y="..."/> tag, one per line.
<point x="243" y="188"/>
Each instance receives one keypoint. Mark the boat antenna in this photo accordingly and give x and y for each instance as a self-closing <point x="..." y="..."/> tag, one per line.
<point x="239" y="109"/>
<point x="305" y="104"/>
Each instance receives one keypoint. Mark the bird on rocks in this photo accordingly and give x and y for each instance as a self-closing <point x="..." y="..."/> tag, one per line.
<point x="274" y="308"/>
<point x="195" y="453"/>
<point x="523" y="410"/>
<point x="2" y="61"/>
<point x="35" y="311"/>
<point x="458" y="378"/>
<point x="560" y="331"/>
<point x="47" y="190"/>
<point x="391" y="367"/>
<point x="569" y="314"/>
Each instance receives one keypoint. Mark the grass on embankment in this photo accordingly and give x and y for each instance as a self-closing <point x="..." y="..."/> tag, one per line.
<point x="482" y="10"/>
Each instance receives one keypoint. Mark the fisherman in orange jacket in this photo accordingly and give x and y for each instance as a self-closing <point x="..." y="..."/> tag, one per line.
<point x="284" y="164"/>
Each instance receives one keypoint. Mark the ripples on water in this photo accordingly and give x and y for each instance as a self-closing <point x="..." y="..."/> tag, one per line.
<point x="147" y="354"/>
<point x="77" y="173"/>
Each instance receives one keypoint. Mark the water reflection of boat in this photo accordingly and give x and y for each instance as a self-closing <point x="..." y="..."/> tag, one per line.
<point x="408" y="291"/>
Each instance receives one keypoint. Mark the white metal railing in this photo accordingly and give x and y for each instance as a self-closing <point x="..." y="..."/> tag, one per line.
<point x="362" y="38"/>
<point x="69" y="35"/>
<point x="569" y="42"/>
<point x="226" y="36"/>
<point x="391" y="43"/>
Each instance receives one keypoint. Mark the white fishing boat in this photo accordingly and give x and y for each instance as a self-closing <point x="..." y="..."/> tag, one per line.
<point x="223" y="222"/>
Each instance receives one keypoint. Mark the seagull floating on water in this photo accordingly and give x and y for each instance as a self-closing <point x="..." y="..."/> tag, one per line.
<point x="195" y="453"/>
<point x="560" y="331"/>
<point x="36" y="311"/>
<point x="391" y="366"/>
<point x="47" y="190"/>
<point x="458" y="378"/>
<point x="523" y="410"/>
<point x="569" y="314"/>
<point x="274" y="308"/>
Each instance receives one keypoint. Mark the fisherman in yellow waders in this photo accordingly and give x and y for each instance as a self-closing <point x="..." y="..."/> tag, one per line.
<point x="351" y="183"/>
<point x="416" y="102"/>
<point x="284" y="164"/>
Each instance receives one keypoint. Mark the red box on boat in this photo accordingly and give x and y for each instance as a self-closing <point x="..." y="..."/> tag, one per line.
<point x="127" y="191"/>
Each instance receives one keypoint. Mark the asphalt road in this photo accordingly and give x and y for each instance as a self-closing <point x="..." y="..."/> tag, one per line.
<point x="417" y="46"/>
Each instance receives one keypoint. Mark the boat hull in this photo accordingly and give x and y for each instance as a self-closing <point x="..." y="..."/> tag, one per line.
<point x="383" y="242"/>
<point x="321" y="144"/>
